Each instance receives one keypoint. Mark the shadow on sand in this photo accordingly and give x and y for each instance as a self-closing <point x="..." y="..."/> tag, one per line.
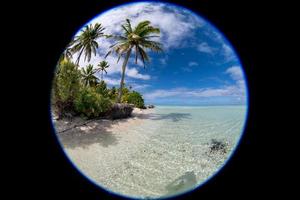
<point x="175" y="117"/>
<point x="100" y="133"/>
<point x="86" y="135"/>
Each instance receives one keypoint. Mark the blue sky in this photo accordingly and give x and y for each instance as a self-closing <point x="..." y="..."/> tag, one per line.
<point x="198" y="66"/>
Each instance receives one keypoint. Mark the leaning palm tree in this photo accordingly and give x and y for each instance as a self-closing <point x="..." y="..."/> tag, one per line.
<point x="88" y="76"/>
<point x="86" y="42"/>
<point x="103" y="65"/>
<point x="137" y="38"/>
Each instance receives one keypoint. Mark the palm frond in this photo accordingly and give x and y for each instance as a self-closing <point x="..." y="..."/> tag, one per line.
<point x="143" y="55"/>
<point x="86" y="42"/>
<point x="108" y="53"/>
<point x="150" y="36"/>
<point x="120" y="55"/>
<point x="128" y="25"/>
<point x="154" y="46"/>
<point x="125" y="29"/>
<point x="148" y="30"/>
<point x="141" y="26"/>
<point x="119" y="38"/>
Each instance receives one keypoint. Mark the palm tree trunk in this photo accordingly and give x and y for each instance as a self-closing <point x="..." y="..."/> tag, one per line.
<point x="102" y="76"/>
<point x="78" y="58"/>
<point x="123" y="76"/>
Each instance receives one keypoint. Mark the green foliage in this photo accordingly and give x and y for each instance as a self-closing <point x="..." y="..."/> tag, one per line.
<point x="125" y="93"/>
<point x="113" y="93"/>
<point x="102" y="89"/>
<point x="66" y="85"/>
<point x="137" y="38"/>
<point x="86" y="42"/>
<point x="88" y="76"/>
<point x="102" y="66"/>
<point x="134" y="98"/>
<point x="90" y="103"/>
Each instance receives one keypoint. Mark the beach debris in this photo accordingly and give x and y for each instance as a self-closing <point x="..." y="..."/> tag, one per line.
<point x="218" y="146"/>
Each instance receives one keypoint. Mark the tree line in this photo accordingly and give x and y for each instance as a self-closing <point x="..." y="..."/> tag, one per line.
<point x="78" y="91"/>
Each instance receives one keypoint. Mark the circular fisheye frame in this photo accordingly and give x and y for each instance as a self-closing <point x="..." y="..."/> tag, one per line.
<point x="149" y="100"/>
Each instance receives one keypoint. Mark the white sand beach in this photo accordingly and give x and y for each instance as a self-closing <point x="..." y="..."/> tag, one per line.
<point x="154" y="153"/>
<point x="102" y="146"/>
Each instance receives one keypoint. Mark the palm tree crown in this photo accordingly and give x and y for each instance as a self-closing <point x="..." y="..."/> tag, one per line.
<point x="139" y="39"/>
<point x="88" y="75"/>
<point x="86" y="42"/>
<point x="103" y="65"/>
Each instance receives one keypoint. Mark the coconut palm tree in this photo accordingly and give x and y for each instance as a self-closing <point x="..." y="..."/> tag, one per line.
<point x="102" y="66"/>
<point x="86" y="42"/>
<point x="137" y="39"/>
<point x="88" y="76"/>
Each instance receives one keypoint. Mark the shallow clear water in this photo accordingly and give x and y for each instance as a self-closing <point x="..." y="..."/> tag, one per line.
<point x="173" y="151"/>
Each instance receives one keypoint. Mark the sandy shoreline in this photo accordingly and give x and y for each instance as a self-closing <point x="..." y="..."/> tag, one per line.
<point x="142" y="155"/>
<point x="103" y="148"/>
<point x="65" y="125"/>
<point x="80" y="133"/>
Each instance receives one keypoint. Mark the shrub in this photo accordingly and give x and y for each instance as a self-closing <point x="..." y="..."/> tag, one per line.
<point x="134" y="98"/>
<point x="91" y="104"/>
<point x="101" y="88"/>
<point x="113" y="93"/>
<point x="66" y="86"/>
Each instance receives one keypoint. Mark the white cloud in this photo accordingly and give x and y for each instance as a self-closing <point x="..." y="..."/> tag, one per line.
<point x="133" y="72"/>
<point x="175" y="25"/>
<point x="115" y="67"/>
<point x="192" y="63"/>
<point x="236" y="90"/>
<point x="214" y="35"/>
<point x="228" y="53"/>
<point x="205" y="48"/>
<point x="235" y="72"/>
<point x="224" y="49"/>
<point x="202" y="92"/>
<point x="139" y="87"/>
<point x="111" y="81"/>
<point x="190" y="66"/>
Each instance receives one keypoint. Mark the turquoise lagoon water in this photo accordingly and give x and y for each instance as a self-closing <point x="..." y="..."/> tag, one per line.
<point x="175" y="156"/>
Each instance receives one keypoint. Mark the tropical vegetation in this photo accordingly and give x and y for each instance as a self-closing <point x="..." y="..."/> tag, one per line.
<point x="66" y="86"/>
<point x="91" y="103"/>
<point x="134" y="98"/>
<point x="88" y="76"/>
<point x="78" y="91"/>
<point x="137" y="38"/>
<point x="102" y="66"/>
<point x="86" y="42"/>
